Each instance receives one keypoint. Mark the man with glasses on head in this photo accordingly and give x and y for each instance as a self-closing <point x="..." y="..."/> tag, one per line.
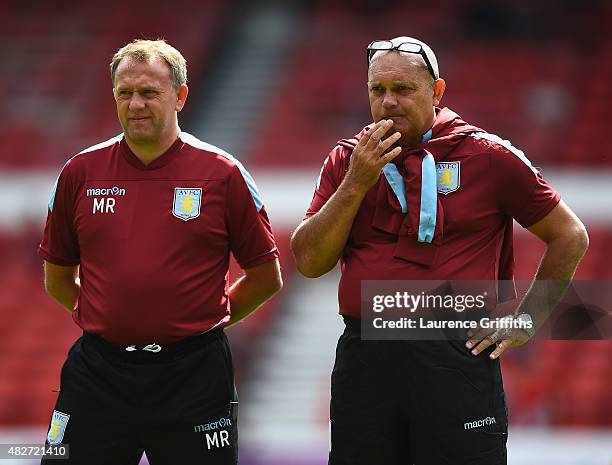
<point x="147" y="220"/>
<point x="422" y="195"/>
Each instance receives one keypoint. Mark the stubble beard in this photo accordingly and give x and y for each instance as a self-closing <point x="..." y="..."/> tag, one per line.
<point x="143" y="136"/>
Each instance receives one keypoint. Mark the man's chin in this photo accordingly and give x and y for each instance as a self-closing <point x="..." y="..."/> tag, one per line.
<point x="139" y="137"/>
<point x="409" y="138"/>
<point x="399" y="125"/>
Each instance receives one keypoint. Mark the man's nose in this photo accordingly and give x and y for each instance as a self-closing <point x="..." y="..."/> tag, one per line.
<point x="389" y="99"/>
<point x="136" y="102"/>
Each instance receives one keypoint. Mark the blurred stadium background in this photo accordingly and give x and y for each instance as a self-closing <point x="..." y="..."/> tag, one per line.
<point x="277" y="84"/>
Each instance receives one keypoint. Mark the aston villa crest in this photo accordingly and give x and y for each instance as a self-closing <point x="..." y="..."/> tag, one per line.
<point x="59" y="421"/>
<point x="449" y="176"/>
<point x="187" y="202"/>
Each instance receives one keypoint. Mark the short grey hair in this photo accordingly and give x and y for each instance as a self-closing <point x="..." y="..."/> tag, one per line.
<point x="144" y="50"/>
<point x="428" y="51"/>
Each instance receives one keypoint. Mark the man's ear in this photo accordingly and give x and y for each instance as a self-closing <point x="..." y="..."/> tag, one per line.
<point x="439" y="86"/>
<point x="181" y="97"/>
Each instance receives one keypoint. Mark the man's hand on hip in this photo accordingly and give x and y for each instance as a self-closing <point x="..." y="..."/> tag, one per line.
<point x="505" y="338"/>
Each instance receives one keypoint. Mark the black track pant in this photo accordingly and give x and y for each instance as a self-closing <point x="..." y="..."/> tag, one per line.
<point x="415" y="402"/>
<point x="178" y="404"/>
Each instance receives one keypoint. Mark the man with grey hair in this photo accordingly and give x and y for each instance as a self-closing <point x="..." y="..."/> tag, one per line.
<point x="421" y="195"/>
<point x="136" y="247"/>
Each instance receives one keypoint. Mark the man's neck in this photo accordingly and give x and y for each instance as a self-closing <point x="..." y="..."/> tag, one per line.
<point x="415" y="142"/>
<point x="421" y="139"/>
<point x="149" y="153"/>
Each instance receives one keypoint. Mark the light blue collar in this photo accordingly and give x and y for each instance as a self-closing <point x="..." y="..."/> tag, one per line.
<point x="429" y="192"/>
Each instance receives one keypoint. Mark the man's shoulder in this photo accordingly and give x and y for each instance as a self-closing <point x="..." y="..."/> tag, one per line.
<point x="483" y="142"/>
<point x="210" y="155"/>
<point x="337" y="161"/>
<point x="344" y="147"/>
<point x="102" y="146"/>
<point x="502" y="150"/>
<point x="341" y="152"/>
<point x="91" y="154"/>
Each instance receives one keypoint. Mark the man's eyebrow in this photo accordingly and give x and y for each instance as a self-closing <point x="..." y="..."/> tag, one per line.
<point x="393" y="83"/>
<point x="137" y="89"/>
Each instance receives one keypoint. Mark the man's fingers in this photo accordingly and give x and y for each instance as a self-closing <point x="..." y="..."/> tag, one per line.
<point x="389" y="141"/>
<point x="504" y="338"/>
<point x="478" y="335"/>
<point x="387" y="157"/>
<point x="503" y="345"/>
<point x="486" y="342"/>
<point x="366" y="137"/>
<point x="375" y="137"/>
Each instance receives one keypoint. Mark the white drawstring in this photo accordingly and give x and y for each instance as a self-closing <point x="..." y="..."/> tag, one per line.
<point x="152" y="348"/>
<point x="149" y="348"/>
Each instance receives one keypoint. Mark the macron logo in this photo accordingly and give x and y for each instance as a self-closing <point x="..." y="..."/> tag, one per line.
<point x="479" y="423"/>
<point x="105" y="204"/>
<point x="106" y="191"/>
<point x="220" y="423"/>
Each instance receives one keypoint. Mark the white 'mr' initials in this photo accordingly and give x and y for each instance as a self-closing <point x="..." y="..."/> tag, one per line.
<point x="104" y="205"/>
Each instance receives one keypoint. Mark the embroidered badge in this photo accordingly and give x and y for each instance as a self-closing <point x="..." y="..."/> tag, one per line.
<point x="58" y="427"/>
<point x="187" y="201"/>
<point x="449" y="176"/>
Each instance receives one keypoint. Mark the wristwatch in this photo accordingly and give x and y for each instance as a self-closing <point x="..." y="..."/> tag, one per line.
<point x="528" y="326"/>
